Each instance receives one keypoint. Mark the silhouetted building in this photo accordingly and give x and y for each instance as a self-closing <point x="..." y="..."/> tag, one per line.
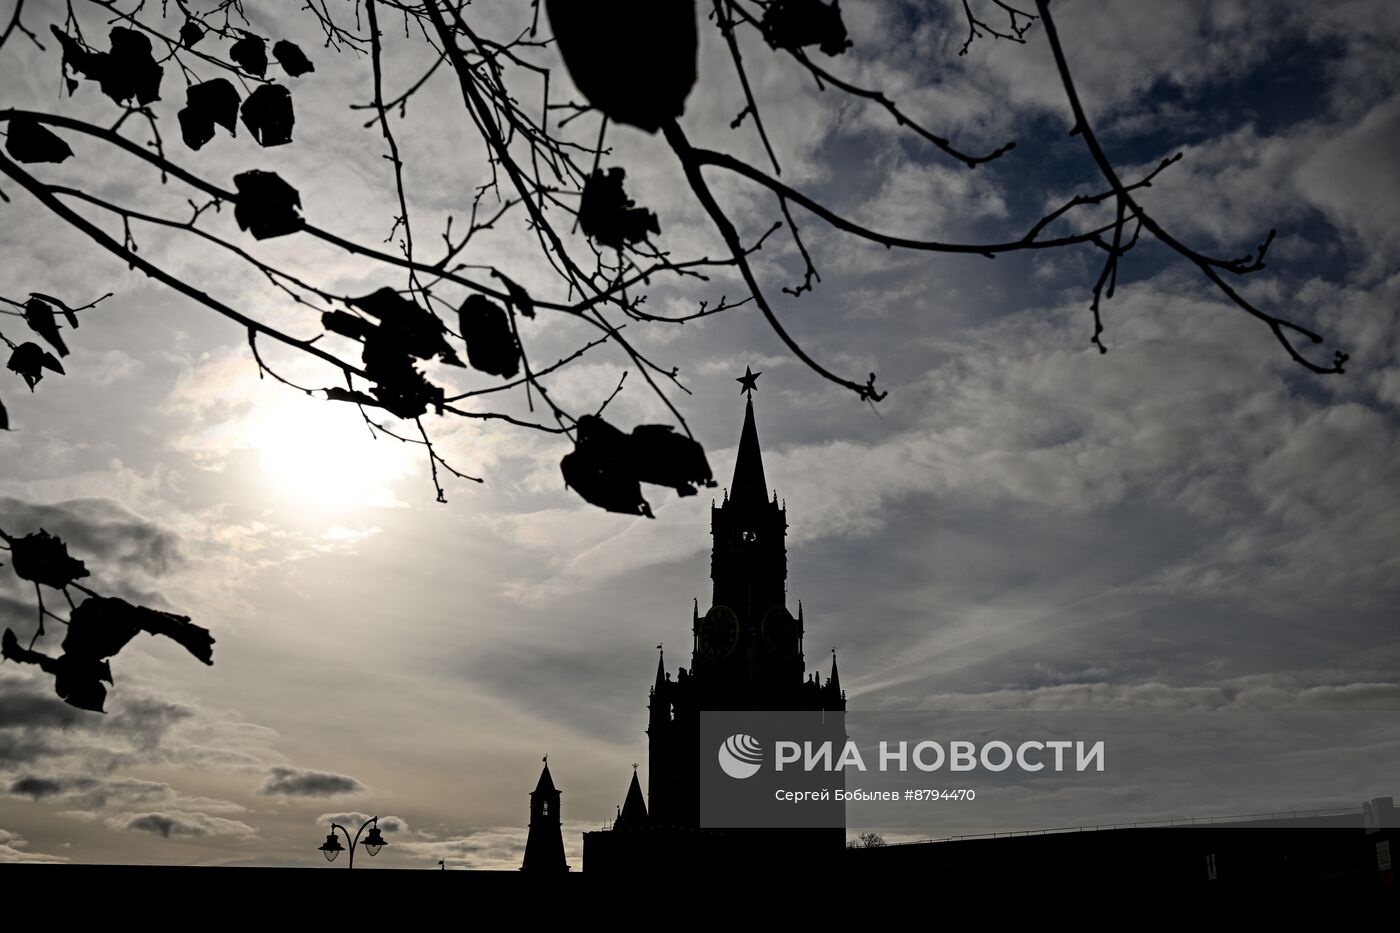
<point x="746" y="654"/>
<point x="544" y="847"/>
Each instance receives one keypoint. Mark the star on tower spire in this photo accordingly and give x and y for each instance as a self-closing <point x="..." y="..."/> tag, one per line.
<point x="748" y="382"/>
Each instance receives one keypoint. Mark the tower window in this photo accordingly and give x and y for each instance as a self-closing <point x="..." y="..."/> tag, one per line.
<point x="748" y="536"/>
<point x="544" y="808"/>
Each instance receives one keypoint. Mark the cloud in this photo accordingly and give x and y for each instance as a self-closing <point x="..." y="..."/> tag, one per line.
<point x="167" y="825"/>
<point x="113" y="541"/>
<point x="1245" y="694"/>
<point x="299" y="782"/>
<point x="354" y="820"/>
<point x="88" y="792"/>
<point x="15" y="848"/>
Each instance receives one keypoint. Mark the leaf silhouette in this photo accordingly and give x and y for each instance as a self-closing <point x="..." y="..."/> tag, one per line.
<point x="519" y="297"/>
<point x="606" y="466"/>
<point x="98" y="629"/>
<point x="405" y="331"/>
<point x="30" y="360"/>
<point x="267" y="206"/>
<point x="665" y="458"/>
<point x="212" y="102"/>
<point x="338" y="394"/>
<point x="43" y="558"/>
<point x="292" y="59"/>
<point x="127" y="71"/>
<point x="43" y="320"/>
<point x="78" y="681"/>
<point x="347" y="325"/>
<point x="606" y="214"/>
<point x="250" y="54"/>
<point x="491" y="346"/>
<point x="29" y="141"/>
<point x="190" y="34"/>
<point x="793" y="24"/>
<point x="599" y="469"/>
<point x="399" y="387"/>
<point x="100" y="625"/>
<point x="268" y="115"/>
<point x="407" y="326"/>
<point x="634" y="60"/>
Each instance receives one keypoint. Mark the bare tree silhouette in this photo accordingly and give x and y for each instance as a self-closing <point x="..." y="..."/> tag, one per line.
<point x="635" y="63"/>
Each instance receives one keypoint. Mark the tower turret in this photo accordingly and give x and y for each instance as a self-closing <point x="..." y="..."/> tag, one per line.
<point x="544" y="847"/>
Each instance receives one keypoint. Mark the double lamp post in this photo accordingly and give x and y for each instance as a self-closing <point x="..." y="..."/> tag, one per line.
<point x="372" y="842"/>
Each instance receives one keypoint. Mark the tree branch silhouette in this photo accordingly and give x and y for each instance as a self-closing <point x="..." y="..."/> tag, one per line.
<point x="597" y="252"/>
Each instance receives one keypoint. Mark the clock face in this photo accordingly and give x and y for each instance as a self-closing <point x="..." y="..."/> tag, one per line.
<point x="780" y="632"/>
<point x="748" y="537"/>
<point x="719" y="633"/>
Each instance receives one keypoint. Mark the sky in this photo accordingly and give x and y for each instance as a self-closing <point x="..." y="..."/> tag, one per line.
<point x="1190" y="522"/>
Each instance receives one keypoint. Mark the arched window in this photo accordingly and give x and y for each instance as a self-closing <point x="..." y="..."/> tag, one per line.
<point x="544" y="809"/>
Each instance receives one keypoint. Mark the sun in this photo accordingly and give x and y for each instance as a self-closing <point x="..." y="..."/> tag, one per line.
<point x="322" y="455"/>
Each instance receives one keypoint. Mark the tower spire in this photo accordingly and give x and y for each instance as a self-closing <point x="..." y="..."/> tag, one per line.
<point x="633" y="814"/>
<point x="544" y="846"/>
<point x="749" y="484"/>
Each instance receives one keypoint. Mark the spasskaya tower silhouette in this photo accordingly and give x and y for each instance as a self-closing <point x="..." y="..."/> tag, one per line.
<point x="746" y="654"/>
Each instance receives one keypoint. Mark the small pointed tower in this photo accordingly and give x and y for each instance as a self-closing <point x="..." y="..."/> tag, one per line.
<point x="660" y="751"/>
<point x="836" y="695"/>
<point x="634" y="809"/>
<point x="544" y="848"/>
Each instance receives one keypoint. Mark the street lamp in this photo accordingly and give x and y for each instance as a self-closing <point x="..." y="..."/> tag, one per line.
<point x="372" y="842"/>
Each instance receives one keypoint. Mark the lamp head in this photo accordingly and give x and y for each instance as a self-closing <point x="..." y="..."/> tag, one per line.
<point x="374" y="841"/>
<point x="331" y="847"/>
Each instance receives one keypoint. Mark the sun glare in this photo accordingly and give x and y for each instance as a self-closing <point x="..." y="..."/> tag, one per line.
<point x="326" y="459"/>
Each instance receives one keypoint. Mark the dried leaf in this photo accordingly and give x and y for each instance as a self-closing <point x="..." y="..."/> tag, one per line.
<point x="102" y="625"/>
<point x="4" y="418"/>
<point x="213" y="102"/>
<point x="190" y="34"/>
<point x="634" y="60"/>
<point x="267" y="206"/>
<point x="519" y="297"/>
<point x="665" y="458"/>
<point x="599" y="469"/>
<point x="337" y="394"/>
<point x="98" y="629"/>
<point x="267" y="113"/>
<point x="607" y="215"/>
<point x="398" y="385"/>
<point x="30" y="360"/>
<point x="347" y="325"/>
<point x="79" y="683"/>
<point x="76" y="680"/>
<point x="491" y="346"/>
<point x="43" y="558"/>
<point x="29" y="141"/>
<point x="607" y="467"/>
<point x="43" y="320"/>
<point x="292" y="59"/>
<point x="127" y="71"/>
<point x="794" y="24"/>
<point x="250" y="54"/>
<point x="407" y="326"/>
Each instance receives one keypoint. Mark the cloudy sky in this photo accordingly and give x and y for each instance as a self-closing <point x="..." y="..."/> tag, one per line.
<point x="1189" y="522"/>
